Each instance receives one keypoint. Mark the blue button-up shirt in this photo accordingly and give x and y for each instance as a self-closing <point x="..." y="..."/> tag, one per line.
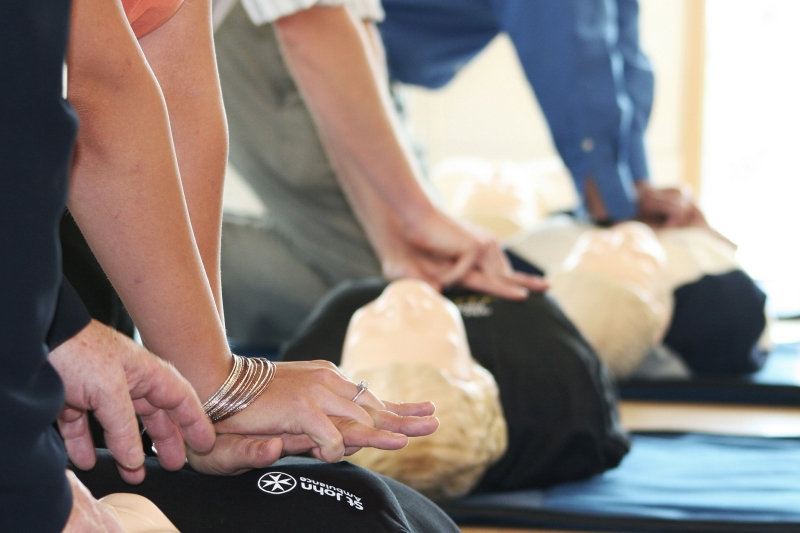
<point x="582" y="58"/>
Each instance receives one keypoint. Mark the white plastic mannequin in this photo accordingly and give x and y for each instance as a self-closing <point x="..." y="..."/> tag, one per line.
<point x="411" y="341"/>
<point x="613" y="287"/>
<point x="137" y="514"/>
<point x="605" y="312"/>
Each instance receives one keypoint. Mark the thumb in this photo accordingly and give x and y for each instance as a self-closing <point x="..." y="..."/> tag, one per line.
<point x="235" y="454"/>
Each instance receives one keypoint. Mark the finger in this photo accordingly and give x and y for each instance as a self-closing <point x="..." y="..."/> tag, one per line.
<point x="114" y="411"/>
<point x="164" y="388"/>
<point x="338" y="406"/>
<point x="167" y="439"/>
<point x="463" y="265"/>
<point x="529" y="281"/>
<point x="359" y="435"/>
<point x="411" y="409"/>
<point x="350" y="450"/>
<point x="235" y="454"/>
<point x="481" y="282"/>
<point x="325" y="435"/>
<point x="412" y="426"/>
<point x="74" y="428"/>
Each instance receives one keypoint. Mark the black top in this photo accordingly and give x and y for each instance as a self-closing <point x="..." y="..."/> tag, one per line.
<point x="37" y="131"/>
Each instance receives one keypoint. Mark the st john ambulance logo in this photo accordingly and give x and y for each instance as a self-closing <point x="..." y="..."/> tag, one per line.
<point x="276" y="483"/>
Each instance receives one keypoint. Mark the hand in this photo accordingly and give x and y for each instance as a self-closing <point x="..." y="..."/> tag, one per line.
<point x="443" y="252"/>
<point x="668" y="208"/>
<point x="309" y="406"/>
<point x="110" y="374"/>
<point x="88" y="515"/>
<point x="235" y="454"/>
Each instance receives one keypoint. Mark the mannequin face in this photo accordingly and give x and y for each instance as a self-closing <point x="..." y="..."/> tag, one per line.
<point x="137" y="514"/>
<point x="410" y="344"/>
<point x="409" y="323"/>
<point x="629" y="252"/>
<point x="613" y="287"/>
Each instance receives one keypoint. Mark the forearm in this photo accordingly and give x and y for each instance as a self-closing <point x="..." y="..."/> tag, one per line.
<point x="330" y="56"/>
<point x="181" y="55"/>
<point x="126" y="195"/>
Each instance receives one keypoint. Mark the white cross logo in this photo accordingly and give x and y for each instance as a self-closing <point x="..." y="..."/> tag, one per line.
<point x="276" y="483"/>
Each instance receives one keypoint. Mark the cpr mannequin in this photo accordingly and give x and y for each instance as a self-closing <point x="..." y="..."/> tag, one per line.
<point x="613" y="286"/>
<point x="638" y="273"/>
<point x="409" y="341"/>
<point x="137" y="514"/>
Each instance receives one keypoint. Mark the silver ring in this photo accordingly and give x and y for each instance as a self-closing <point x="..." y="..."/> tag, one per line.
<point x="362" y="386"/>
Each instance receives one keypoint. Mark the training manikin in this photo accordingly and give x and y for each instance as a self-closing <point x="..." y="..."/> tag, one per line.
<point x="137" y="514"/>
<point x="411" y="341"/>
<point x="618" y="286"/>
<point x="613" y="286"/>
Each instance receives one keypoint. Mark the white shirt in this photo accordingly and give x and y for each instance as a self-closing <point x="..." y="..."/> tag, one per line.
<point x="266" y="11"/>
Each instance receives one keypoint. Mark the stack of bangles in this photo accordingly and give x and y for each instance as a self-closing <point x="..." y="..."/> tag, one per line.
<point x="249" y="377"/>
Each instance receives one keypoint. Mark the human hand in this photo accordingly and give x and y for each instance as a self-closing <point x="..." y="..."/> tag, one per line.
<point x="235" y="454"/>
<point x="443" y="251"/>
<point x="88" y="515"/>
<point x="670" y="207"/>
<point x="309" y="406"/>
<point x="108" y="373"/>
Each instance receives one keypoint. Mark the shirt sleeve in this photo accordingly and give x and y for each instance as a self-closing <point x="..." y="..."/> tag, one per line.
<point x="593" y="84"/>
<point x="267" y="11"/>
<point x="70" y="317"/>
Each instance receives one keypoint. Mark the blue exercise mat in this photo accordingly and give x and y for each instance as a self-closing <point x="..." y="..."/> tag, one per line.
<point x="777" y="383"/>
<point x="667" y="483"/>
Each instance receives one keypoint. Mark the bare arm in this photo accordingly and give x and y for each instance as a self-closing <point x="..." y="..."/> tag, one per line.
<point x="126" y="195"/>
<point x="181" y="55"/>
<point x="333" y="59"/>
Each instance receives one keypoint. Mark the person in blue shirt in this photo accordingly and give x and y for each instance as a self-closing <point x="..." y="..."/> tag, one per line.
<point x="591" y="78"/>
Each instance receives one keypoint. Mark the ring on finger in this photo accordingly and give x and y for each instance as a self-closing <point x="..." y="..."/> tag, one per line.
<point x="362" y="386"/>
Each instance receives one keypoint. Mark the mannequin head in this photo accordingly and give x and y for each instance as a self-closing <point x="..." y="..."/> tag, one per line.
<point x="613" y="286"/>
<point x="410" y="344"/>
<point x="137" y="514"/>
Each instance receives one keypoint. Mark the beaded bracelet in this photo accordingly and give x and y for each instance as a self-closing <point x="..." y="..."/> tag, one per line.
<point x="249" y="377"/>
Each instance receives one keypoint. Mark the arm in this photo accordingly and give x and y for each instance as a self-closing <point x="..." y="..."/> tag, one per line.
<point x="126" y="194"/>
<point x="570" y="54"/>
<point x="343" y="81"/>
<point x="128" y="198"/>
<point x="181" y="55"/>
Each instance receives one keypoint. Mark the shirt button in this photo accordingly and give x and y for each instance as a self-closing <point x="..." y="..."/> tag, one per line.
<point x="587" y="145"/>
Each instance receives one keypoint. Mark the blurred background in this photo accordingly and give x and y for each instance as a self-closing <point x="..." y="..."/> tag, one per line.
<point x="726" y="122"/>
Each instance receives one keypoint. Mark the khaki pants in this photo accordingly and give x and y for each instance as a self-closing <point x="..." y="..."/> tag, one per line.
<point x="275" y="269"/>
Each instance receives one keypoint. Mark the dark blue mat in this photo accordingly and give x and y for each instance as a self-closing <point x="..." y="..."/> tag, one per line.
<point x="667" y="483"/>
<point x="777" y="383"/>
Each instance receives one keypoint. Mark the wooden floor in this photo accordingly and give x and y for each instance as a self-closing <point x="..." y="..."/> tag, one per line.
<point x="701" y="418"/>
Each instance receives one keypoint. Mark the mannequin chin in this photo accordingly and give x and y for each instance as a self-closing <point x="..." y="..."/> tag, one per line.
<point x="410" y="343"/>
<point x="137" y="514"/>
<point x="613" y="287"/>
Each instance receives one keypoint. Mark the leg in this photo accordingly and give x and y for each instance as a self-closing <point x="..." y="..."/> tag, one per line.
<point x="275" y="147"/>
<point x="268" y="290"/>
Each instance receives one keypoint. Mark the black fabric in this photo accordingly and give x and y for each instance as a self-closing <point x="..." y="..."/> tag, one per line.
<point x="37" y="131"/>
<point x="338" y="497"/>
<point x="716" y="324"/>
<point x="90" y="282"/>
<point x="558" y="401"/>
<point x="70" y="317"/>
